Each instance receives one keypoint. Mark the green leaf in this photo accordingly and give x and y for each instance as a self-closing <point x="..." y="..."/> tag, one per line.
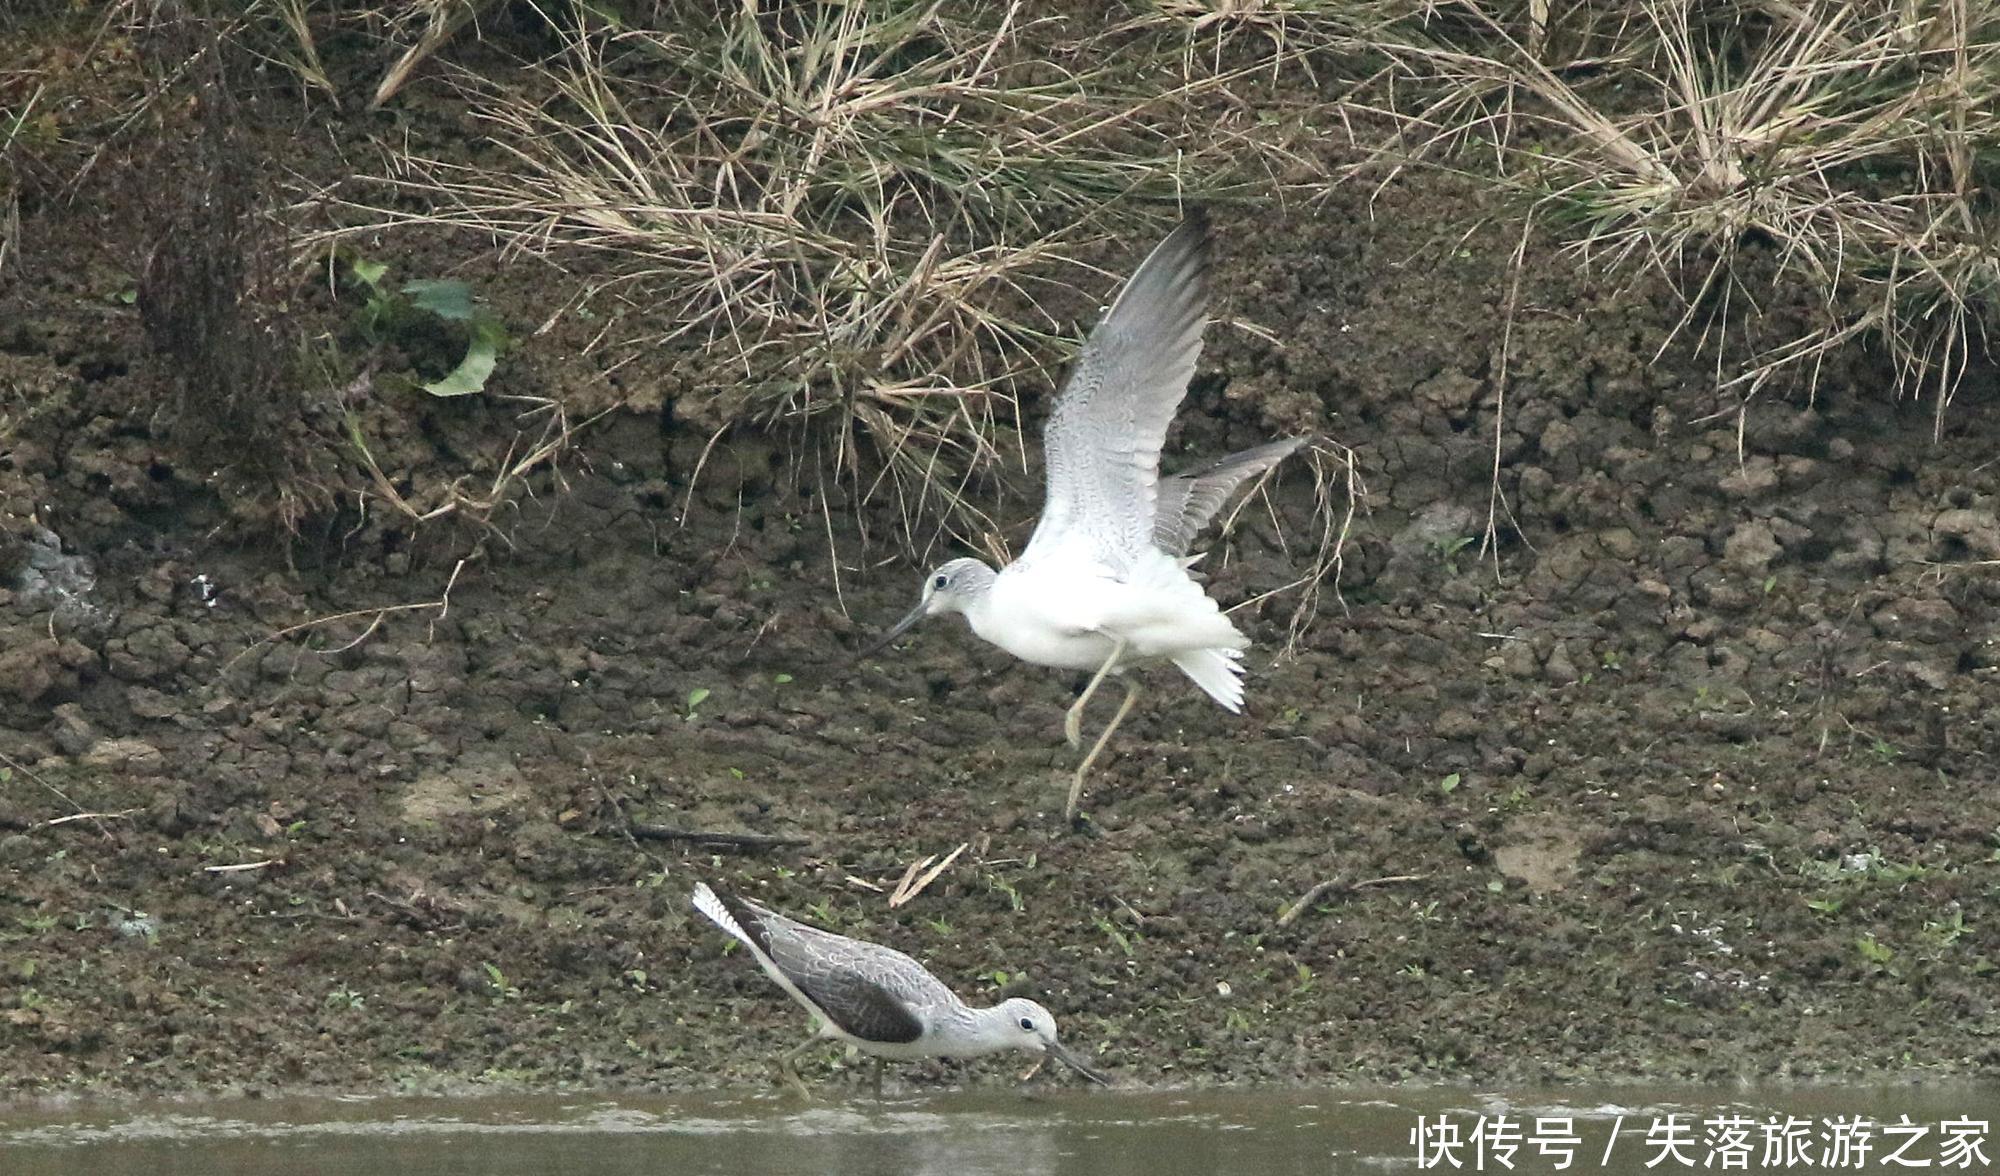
<point x="447" y="298"/>
<point x="368" y="273"/>
<point x="1449" y="784"/>
<point x="696" y="697"/>
<point x="473" y="371"/>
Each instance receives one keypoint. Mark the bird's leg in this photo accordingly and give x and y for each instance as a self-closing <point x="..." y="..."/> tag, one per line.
<point x="1076" y="785"/>
<point x="788" y="1067"/>
<point x="1073" y="721"/>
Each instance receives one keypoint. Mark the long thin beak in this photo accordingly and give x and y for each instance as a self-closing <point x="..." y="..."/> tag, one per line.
<point x="1062" y="1054"/>
<point x="896" y="630"/>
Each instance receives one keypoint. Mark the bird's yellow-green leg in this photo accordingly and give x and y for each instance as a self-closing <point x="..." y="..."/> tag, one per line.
<point x="1073" y="721"/>
<point x="1076" y="785"/>
<point x="788" y="1067"/>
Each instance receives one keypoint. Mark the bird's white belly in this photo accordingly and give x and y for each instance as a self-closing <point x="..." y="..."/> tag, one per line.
<point x="930" y="1045"/>
<point x="1021" y="624"/>
<point x="1072" y="616"/>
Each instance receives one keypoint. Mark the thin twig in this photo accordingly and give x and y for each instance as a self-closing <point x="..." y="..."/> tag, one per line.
<point x="16" y="765"/>
<point x="378" y="615"/>
<point x="914" y="884"/>
<point x="242" y="867"/>
<point x="119" y="815"/>
<point x="1331" y="885"/>
<point x="652" y="832"/>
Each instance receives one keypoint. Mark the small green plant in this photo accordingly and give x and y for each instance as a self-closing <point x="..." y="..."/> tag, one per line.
<point x="996" y="882"/>
<point x="496" y="980"/>
<point x="1879" y="955"/>
<point x="345" y="1000"/>
<point x="1884" y="750"/>
<point x="695" y="698"/>
<point x="1116" y="936"/>
<point x="1945" y="932"/>
<point x="423" y="305"/>
<point x="1449" y="784"/>
<point x="1448" y="549"/>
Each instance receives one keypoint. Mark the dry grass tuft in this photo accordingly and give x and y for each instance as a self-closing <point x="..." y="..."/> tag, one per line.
<point x="840" y="212"/>
<point x="1750" y="150"/>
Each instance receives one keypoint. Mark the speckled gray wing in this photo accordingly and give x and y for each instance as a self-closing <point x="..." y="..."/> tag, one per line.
<point x="1188" y="501"/>
<point x="863" y="1008"/>
<point x="873" y="992"/>
<point x="1102" y="443"/>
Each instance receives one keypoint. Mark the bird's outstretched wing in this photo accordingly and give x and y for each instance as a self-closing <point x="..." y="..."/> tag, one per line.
<point x="1188" y="501"/>
<point x="1102" y="443"/>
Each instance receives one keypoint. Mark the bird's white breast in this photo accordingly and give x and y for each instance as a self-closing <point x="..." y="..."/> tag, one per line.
<point x="1067" y="612"/>
<point x="1045" y="616"/>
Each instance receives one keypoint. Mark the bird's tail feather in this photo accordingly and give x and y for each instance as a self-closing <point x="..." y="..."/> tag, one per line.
<point x="709" y="903"/>
<point x="1217" y="671"/>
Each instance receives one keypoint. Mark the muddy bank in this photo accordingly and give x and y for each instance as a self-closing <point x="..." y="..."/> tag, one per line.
<point x="1692" y="782"/>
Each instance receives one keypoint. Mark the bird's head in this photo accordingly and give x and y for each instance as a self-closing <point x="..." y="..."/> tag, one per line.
<point x="1033" y="1028"/>
<point x="949" y="588"/>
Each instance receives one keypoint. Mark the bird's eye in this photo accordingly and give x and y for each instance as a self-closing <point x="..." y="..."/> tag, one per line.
<point x="940" y="581"/>
<point x="1028" y="1024"/>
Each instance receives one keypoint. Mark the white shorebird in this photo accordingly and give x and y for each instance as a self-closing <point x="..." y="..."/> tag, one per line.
<point x="875" y="998"/>
<point x="1103" y="583"/>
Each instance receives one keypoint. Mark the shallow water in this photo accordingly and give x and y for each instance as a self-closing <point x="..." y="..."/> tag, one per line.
<point x="1327" y="1133"/>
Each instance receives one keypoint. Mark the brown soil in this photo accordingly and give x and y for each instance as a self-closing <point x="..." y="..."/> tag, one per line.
<point x="1694" y="781"/>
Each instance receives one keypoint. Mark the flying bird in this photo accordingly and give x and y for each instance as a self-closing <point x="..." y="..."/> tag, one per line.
<point x="1103" y="584"/>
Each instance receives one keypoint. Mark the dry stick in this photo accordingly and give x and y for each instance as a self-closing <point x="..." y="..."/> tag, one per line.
<point x="624" y="821"/>
<point x="119" y="815"/>
<point x="912" y="885"/>
<point x="1321" y="889"/>
<point x="378" y="615"/>
<point x="241" y="867"/>
<point x="446" y="19"/>
<point x="652" y="832"/>
<point x="16" y="765"/>
<point x="1496" y="499"/>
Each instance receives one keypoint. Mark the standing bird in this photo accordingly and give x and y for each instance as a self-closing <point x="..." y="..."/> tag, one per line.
<point x="1103" y="583"/>
<point x="875" y="998"/>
